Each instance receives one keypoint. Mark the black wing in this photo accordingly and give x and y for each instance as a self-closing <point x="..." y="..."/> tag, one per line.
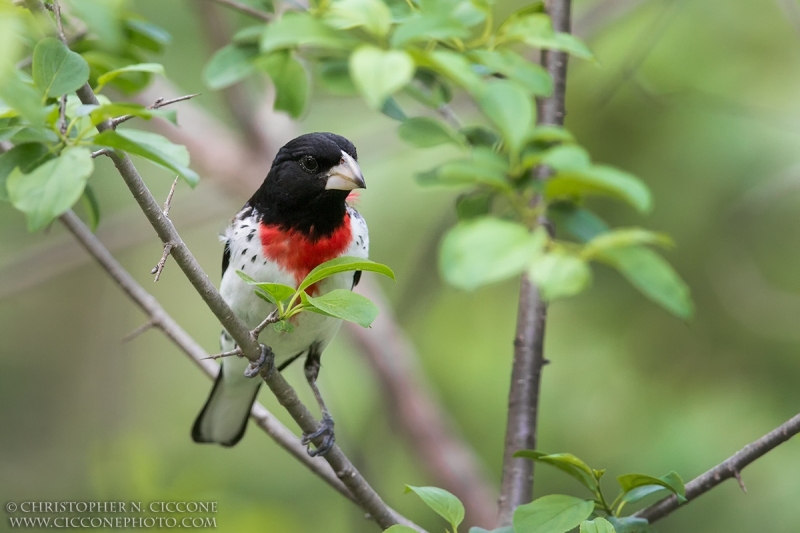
<point x="226" y="257"/>
<point x="356" y="278"/>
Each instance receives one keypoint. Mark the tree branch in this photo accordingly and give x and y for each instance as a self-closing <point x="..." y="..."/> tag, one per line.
<point x="516" y="487"/>
<point x="247" y="10"/>
<point x="730" y="468"/>
<point x="369" y="500"/>
<point x="159" y="318"/>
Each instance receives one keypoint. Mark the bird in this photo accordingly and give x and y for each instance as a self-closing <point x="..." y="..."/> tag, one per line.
<point x="297" y="219"/>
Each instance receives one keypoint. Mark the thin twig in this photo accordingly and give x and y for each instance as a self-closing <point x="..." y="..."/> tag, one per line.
<point x="231" y="353"/>
<point x="516" y="487"/>
<point x="168" y="245"/>
<point x="98" y="153"/>
<point x="247" y="10"/>
<point x="62" y="115"/>
<point x="59" y="23"/>
<point x="369" y="500"/>
<point x="138" y="331"/>
<point x="147" y="303"/>
<point x="160" y="102"/>
<point x="272" y="318"/>
<point x="168" y="201"/>
<point x="730" y="468"/>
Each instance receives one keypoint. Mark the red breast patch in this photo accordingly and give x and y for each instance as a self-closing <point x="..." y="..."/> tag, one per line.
<point x="299" y="254"/>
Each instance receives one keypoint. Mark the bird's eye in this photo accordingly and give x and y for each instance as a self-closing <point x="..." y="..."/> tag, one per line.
<point x="308" y="163"/>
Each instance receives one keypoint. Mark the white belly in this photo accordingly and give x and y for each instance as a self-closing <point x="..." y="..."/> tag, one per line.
<point x="247" y="256"/>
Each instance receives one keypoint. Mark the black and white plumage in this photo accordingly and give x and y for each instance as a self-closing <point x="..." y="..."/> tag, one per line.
<point x="296" y="220"/>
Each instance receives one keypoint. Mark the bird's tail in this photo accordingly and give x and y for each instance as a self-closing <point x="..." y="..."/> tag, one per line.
<point x="223" y="419"/>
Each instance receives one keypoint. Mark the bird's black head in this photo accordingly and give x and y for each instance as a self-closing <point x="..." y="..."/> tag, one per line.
<point x="308" y="184"/>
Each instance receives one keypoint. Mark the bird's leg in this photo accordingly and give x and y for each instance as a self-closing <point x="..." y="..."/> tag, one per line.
<point x="326" y="424"/>
<point x="267" y="359"/>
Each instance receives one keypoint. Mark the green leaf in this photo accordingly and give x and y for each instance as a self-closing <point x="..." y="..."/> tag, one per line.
<point x="291" y="83"/>
<point x="282" y="326"/>
<point x="672" y="482"/>
<point x="536" y="30"/>
<point x="485" y="167"/>
<point x="397" y="528"/>
<point x="344" y="304"/>
<point x="154" y="68"/>
<point x="621" y="238"/>
<point x="599" y="180"/>
<point x="229" y="65"/>
<point x="153" y="147"/>
<point x="653" y="276"/>
<point x="566" y="462"/>
<point x="476" y="529"/>
<point x="579" y="222"/>
<point x="513" y="66"/>
<point x="343" y="264"/>
<point x="300" y="29"/>
<point x="379" y="73"/>
<point x="56" y="69"/>
<point x="559" y="274"/>
<point x="424" y="132"/>
<point x="556" y="513"/>
<point x="290" y="80"/>
<point x="275" y="292"/>
<point x="334" y="77"/>
<point x="22" y="97"/>
<point x="12" y="27"/>
<point x="639" y="493"/>
<point x="474" y="204"/>
<point x="106" y="111"/>
<point x="484" y="250"/>
<point x="91" y="206"/>
<point x="455" y="67"/>
<point x="393" y="110"/>
<point x="550" y="134"/>
<point x="373" y="15"/>
<point x="480" y="136"/>
<point x="630" y="524"/>
<point x="27" y="156"/>
<point x="442" y="502"/>
<point x="598" y="525"/>
<point x="429" y="89"/>
<point x="52" y="188"/>
<point x="147" y="35"/>
<point x="566" y="157"/>
<point x="425" y="27"/>
<point x="509" y="107"/>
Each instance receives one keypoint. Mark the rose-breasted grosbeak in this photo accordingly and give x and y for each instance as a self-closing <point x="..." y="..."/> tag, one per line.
<point x="296" y="220"/>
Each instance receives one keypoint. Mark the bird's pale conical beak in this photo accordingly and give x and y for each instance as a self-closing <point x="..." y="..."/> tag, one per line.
<point x="345" y="176"/>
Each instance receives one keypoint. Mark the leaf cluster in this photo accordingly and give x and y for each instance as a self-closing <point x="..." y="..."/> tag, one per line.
<point x="560" y="513"/>
<point x="337" y="303"/>
<point x="53" y="134"/>
<point x="419" y="53"/>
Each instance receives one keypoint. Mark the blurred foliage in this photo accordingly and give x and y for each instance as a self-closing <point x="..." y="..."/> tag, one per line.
<point x="706" y="120"/>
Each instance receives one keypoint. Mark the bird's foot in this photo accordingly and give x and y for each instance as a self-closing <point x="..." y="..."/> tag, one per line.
<point x="326" y="429"/>
<point x="267" y="359"/>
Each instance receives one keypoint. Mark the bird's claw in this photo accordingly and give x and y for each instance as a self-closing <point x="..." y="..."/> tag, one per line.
<point x="267" y="359"/>
<point x="326" y="429"/>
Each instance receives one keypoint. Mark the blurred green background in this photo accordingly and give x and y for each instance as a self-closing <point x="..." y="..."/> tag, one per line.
<point x="697" y="97"/>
